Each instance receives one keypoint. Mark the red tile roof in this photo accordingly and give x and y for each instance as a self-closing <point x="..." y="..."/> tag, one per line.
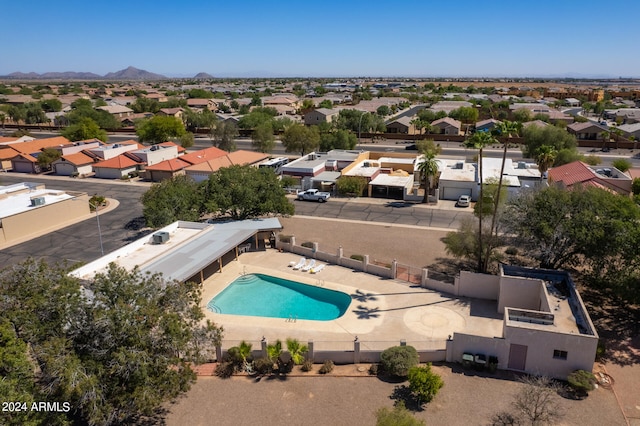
<point x="572" y="173"/>
<point x="240" y="157"/>
<point x="120" y="162"/>
<point x="78" y="159"/>
<point x="39" y="144"/>
<point x="172" y="165"/>
<point x="203" y="155"/>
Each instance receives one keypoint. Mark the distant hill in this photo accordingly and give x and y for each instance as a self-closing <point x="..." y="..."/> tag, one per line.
<point x="129" y="73"/>
<point x="132" y="73"/>
<point x="203" y="76"/>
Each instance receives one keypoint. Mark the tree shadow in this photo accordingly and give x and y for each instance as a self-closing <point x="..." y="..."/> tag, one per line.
<point x="135" y="224"/>
<point x="403" y="393"/>
<point x="366" y="313"/>
<point x="360" y="296"/>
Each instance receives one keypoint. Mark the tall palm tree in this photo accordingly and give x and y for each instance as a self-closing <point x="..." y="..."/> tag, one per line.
<point x="428" y="169"/>
<point x="545" y="157"/>
<point x="478" y="141"/>
<point x="506" y="129"/>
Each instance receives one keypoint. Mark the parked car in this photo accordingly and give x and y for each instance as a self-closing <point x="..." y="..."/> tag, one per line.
<point x="313" y="195"/>
<point x="464" y="201"/>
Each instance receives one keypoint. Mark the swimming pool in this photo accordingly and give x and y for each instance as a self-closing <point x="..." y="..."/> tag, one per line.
<point x="266" y="296"/>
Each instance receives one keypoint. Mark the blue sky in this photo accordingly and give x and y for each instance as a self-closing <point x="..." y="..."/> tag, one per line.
<point x="328" y="38"/>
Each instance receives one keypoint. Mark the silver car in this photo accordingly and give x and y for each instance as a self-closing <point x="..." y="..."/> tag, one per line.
<point x="464" y="201"/>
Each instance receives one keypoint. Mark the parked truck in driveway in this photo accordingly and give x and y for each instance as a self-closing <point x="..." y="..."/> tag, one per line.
<point x="313" y="195"/>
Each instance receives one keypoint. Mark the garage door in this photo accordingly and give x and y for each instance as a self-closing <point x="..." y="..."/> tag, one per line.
<point x="451" y="193"/>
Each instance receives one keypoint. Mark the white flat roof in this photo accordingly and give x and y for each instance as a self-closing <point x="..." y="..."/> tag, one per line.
<point x="392" y="180"/>
<point x="191" y="247"/>
<point x="21" y="202"/>
<point x="360" y="170"/>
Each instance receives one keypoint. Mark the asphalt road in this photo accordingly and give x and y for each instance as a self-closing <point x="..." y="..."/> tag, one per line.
<point x="395" y="212"/>
<point x="80" y="242"/>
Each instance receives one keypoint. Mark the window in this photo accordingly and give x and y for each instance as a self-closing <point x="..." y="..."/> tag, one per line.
<point x="559" y="354"/>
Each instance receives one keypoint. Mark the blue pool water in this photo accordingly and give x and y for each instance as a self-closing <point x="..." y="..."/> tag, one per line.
<point x="266" y="296"/>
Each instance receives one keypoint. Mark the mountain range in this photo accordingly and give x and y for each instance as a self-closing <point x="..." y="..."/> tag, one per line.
<point x="130" y="73"/>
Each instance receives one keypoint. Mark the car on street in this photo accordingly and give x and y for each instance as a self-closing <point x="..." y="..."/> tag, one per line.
<point x="313" y="195"/>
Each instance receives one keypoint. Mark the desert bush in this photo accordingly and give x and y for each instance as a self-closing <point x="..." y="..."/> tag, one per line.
<point x="399" y="415"/>
<point x="424" y="383"/>
<point x="307" y="365"/>
<point x="511" y="251"/>
<point x="397" y="360"/>
<point x="327" y="367"/>
<point x="373" y="369"/>
<point x="225" y="369"/>
<point x="284" y="238"/>
<point x="263" y="366"/>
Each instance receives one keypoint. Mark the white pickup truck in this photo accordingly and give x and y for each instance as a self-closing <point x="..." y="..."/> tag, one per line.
<point x="313" y="195"/>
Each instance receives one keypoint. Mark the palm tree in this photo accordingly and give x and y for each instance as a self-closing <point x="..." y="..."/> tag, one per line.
<point x="274" y="351"/>
<point x="605" y="135"/>
<point x="428" y="169"/>
<point x="478" y="141"/>
<point x="545" y="157"/>
<point x="296" y="350"/>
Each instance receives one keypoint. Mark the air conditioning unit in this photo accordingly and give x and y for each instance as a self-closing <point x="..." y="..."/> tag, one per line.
<point x="459" y="166"/>
<point x="160" y="237"/>
<point x="522" y="165"/>
<point x="37" y="201"/>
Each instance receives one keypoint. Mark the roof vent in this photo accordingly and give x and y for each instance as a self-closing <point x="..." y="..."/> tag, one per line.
<point x="37" y="201"/>
<point x="522" y="165"/>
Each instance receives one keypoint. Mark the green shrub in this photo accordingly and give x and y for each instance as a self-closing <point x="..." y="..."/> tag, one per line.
<point x="307" y="365"/>
<point x="263" y="366"/>
<point x="397" y="360"/>
<point x="622" y="164"/>
<point x="358" y="257"/>
<point x="601" y="350"/>
<point x="582" y="381"/>
<point x="327" y="367"/>
<point x="351" y="185"/>
<point x="592" y="160"/>
<point x="424" y="383"/>
<point x="307" y="244"/>
<point x="511" y="251"/>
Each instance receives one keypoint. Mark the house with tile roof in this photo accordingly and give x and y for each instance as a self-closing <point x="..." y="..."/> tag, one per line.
<point x="403" y="125"/>
<point x="587" y="130"/>
<point x="116" y="167"/>
<point x="201" y="171"/>
<point x="447" y="126"/>
<point x="320" y="115"/>
<point x="22" y="156"/>
<point x="118" y="111"/>
<point x="76" y="164"/>
<point x="174" y="167"/>
<point x="579" y="173"/>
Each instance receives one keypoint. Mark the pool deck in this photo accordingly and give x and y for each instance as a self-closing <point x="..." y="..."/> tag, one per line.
<point x="382" y="311"/>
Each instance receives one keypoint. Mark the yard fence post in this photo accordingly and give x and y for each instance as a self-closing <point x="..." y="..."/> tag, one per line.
<point x="423" y="277"/>
<point x="314" y="249"/>
<point x="340" y="253"/>
<point x="263" y="346"/>
<point x="365" y="263"/>
<point x="394" y="269"/>
<point x="356" y="351"/>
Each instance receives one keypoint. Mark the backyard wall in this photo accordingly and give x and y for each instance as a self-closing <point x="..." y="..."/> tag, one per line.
<point x="480" y="286"/>
<point x="489" y="346"/>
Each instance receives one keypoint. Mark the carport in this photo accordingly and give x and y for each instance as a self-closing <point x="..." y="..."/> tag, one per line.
<point x="392" y="186"/>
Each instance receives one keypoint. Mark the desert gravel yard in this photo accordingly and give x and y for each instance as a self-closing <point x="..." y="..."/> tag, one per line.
<point x="312" y="399"/>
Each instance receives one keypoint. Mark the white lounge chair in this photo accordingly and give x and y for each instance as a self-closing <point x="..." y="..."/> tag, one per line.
<point x="310" y="265"/>
<point x="317" y="268"/>
<point x="300" y="263"/>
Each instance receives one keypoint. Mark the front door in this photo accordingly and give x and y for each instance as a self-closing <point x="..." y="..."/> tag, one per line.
<point x="517" y="357"/>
